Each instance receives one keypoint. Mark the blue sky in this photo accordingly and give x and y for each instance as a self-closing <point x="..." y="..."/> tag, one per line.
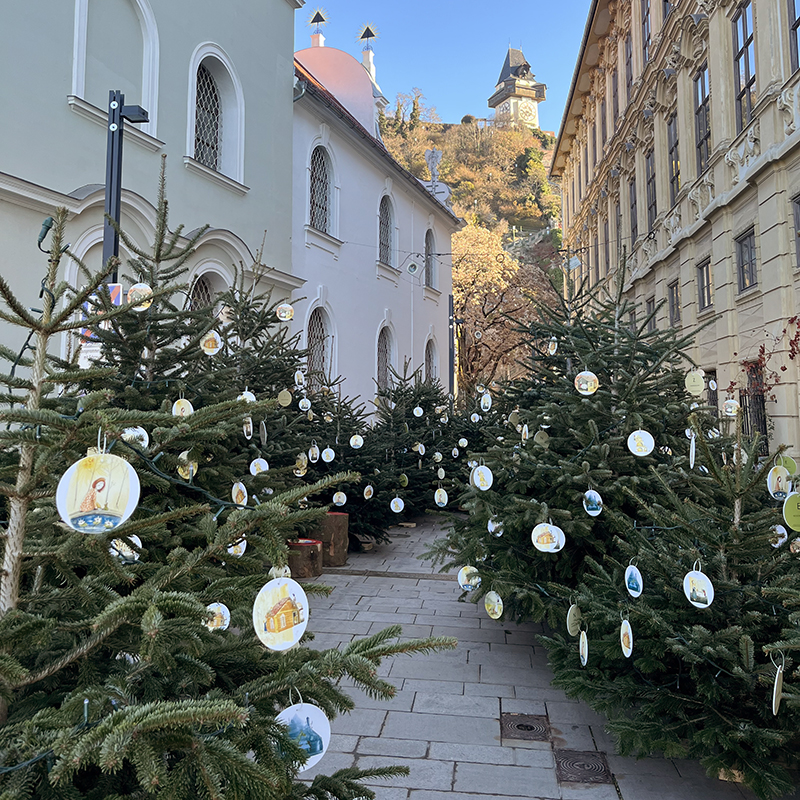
<point x="454" y="51"/>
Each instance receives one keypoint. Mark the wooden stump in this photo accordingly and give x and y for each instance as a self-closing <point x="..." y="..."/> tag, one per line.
<point x="332" y="532"/>
<point x="305" y="558"/>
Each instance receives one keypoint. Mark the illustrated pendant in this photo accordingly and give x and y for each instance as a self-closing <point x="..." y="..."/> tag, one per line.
<point x="574" y="619"/>
<point x="397" y="505"/>
<point x="698" y="589"/>
<point x="626" y="638"/>
<point x="247" y="428"/>
<point x="284" y="312"/>
<point x="791" y="510"/>
<point x="779" y="482"/>
<point x="368" y="492"/>
<point x="468" y="578"/>
<point x="583" y="649"/>
<point x="220" y="617"/>
<point x="313" y="453"/>
<point x="592" y="503"/>
<point x="123" y="551"/>
<point x="339" y="498"/>
<point x="239" y="494"/>
<point x="440" y="496"/>
<point x="486" y="402"/>
<point x="142" y="295"/>
<point x="495" y="526"/>
<point x="548" y="538"/>
<point x="98" y="493"/>
<point x="482" y="478"/>
<point x="418" y="412"/>
<point x="493" y="604"/>
<point x="309" y="729"/>
<point x="777" y="691"/>
<point x="237" y="548"/>
<point x="137" y="436"/>
<point x="182" y="408"/>
<point x="280" y="613"/>
<point x="187" y="469"/>
<point x="258" y="465"/>
<point x="586" y="383"/>
<point x="694" y="383"/>
<point x="692" y="450"/>
<point x="633" y="581"/>
<point x="356" y="441"/>
<point x="641" y="443"/>
<point x="328" y="455"/>
<point x="211" y="343"/>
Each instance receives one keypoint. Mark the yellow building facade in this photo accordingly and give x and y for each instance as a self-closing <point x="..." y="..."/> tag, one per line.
<point x="679" y="148"/>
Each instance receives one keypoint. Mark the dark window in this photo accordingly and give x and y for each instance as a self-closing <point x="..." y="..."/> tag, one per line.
<point x="606" y="249"/>
<point x="674" y="302"/>
<point x="713" y="394"/>
<point x="634" y="212"/>
<point x="794" y="33"/>
<point x="201" y="294"/>
<point x="628" y="68"/>
<point x="580" y="182"/>
<point x="618" y="227"/>
<point x="430" y="261"/>
<point x="593" y="141"/>
<point x="384" y="359"/>
<point x="319" y="348"/>
<point x="615" y="97"/>
<point x="586" y="163"/>
<point x="674" y="159"/>
<point x="207" y="121"/>
<point x="320" y="186"/>
<point x="596" y="261"/>
<point x="632" y="320"/>
<point x="386" y="232"/>
<point x="603" y="125"/>
<point x="650" y="311"/>
<point x="796" y="214"/>
<point x="650" y="188"/>
<point x="431" y="371"/>
<point x="702" y="118"/>
<point x="667" y="7"/>
<point x="705" y="296"/>
<point x="744" y="64"/>
<point x="753" y="405"/>
<point x="746" y="260"/>
<point x="645" y="31"/>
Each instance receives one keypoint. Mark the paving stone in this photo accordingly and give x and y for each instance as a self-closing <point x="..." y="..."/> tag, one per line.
<point x="421" y="667"/>
<point x="602" y="791"/>
<point x="452" y="622"/>
<point x="516" y="706"/>
<point x="647" y="787"/>
<point x="469" y="635"/>
<point x="460" y="705"/>
<point x="441" y="728"/>
<point x="409" y="631"/>
<point x="494" y="659"/>
<point x="529" y="757"/>
<point x="360" y="722"/>
<point x="521" y="781"/>
<point x="402" y="701"/>
<point x="338" y="626"/>
<point x="426" y="795"/>
<point x="328" y="764"/>
<point x="450" y="687"/>
<point x="423" y="773"/>
<point x="384" y="746"/>
<point x="572" y="737"/>
<point x="514" y="676"/>
<point x="578" y="713"/>
<point x="331" y="613"/>
<point x="342" y="743"/>
<point x="472" y="753"/>
<point x="492" y="690"/>
<point x="386" y="619"/>
<point x="658" y="767"/>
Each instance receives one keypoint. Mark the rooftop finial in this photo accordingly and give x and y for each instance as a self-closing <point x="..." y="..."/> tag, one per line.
<point x="366" y="34"/>
<point x="319" y="17"/>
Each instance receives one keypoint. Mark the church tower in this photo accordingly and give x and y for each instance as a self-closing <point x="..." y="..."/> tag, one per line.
<point x="517" y="95"/>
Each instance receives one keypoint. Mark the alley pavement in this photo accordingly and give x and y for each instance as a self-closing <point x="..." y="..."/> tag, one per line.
<point x="445" y="721"/>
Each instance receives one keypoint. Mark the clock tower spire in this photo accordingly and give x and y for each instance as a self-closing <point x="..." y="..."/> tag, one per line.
<point x="517" y="94"/>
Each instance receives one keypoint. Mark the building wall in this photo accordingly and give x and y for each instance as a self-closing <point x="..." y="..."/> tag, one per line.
<point x="750" y="181"/>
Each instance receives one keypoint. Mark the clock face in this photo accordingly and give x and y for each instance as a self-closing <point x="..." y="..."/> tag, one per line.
<point x="504" y="108"/>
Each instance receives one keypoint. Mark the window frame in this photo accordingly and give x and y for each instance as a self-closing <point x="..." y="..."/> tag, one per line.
<point x="746" y="260"/>
<point x="702" y="118"/>
<point x="674" y="302"/>
<point x="744" y="64"/>
<point x="386" y="233"/>
<point x="705" y="288"/>
<point x="615" y="97"/>
<point x="431" y="273"/>
<point x="603" y="123"/>
<point x="794" y="36"/>
<point x="606" y="248"/>
<point x="646" y="31"/>
<point x="634" y="210"/>
<point x="315" y="208"/>
<point x="650" y="189"/>
<point x="796" y="220"/>
<point x="628" y="68"/>
<point x="650" y="307"/>
<point x="207" y="152"/>
<point x="673" y="157"/>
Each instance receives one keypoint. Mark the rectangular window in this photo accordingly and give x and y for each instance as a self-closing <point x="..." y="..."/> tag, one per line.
<point x="674" y="159"/>
<point x="666" y="8"/>
<point x="713" y="396"/>
<point x="794" y="33"/>
<point x="615" y="97"/>
<point x="744" y="65"/>
<point x="796" y="215"/>
<point x="606" y="249"/>
<point x="580" y="182"/>
<point x="628" y="68"/>
<point x="705" y="297"/>
<point x="650" y="311"/>
<point x="632" y="320"/>
<point x="596" y="256"/>
<point x="586" y="163"/>
<point x="603" y="126"/>
<point x="674" y="302"/>
<point x="702" y="118"/>
<point x="634" y="212"/>
<point x="650" y="189"/>
<point x="594" y="146"/>
<point x="753" y="405"/>
<point x="645" y="31"/>
<point x="746" y="260"/>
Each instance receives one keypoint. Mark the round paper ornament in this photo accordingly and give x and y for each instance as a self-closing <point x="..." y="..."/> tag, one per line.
<point x="692" y="450"/>
<point x="309" y="729"/>
<point x="712" y="384"/>
<point x="482" y="478"/>
<point x="641" y="443"/>
<point x="791" y="510"/>
<point x="548" y="538"/>
<point x="313" y="452"/>
<point x="284" y="312"/>
<point x="187" y="469"/>
<point x="444" y="419"/>
<point x="182" y="408"/>
<point x="474" y="417"/>
<point x="397" y="505"/>
<point x="493" y="604"/>
<point x="421" y="449"/>
<point x="694" y="383"/>
<point x="525" y="433"/>
<point x="328" y="455"/>
<point x="633" y="581"/>
<point x="339" y="498"/>
<point x="440" y="473"/>
<point x="237" y="548"/>
<point x="403" y="480"/>
<point x="780" y="536"/>
<point x="211" y="343"/>
<point x="440" y="496"/>
<point x="513" y="418"/>
<point x="247" y="396"/>
<point x="462" y="442"/>
<point x="418" y="412"/>
<point x="626" y="638"/>
<point x="455" y="452"/>
<point x="368" y="492"/>
<point x="583" y="649"/>
<point x="301" y="460"/>
<point x="220" y="617"/>
<point x="258" y="465"/>
<point x="327" y="416"/>
<point x="305" y="404"/>
<point x="778" y="483"/>
<point x="592" y="503"/>
<point x="714" y="433"/>
<point x="262" y="432"/>
<point x="486" y="402"/>
<point x="730" y="408"/>
<point x="480" y="388"/>
<point x="299" y="378"/>
<point x="356" y="441"/>
<point x="437" y="456"/>
<point x="121" y="549"/>
<point x="788" y="463"/>
<point x="586" y="383"/>
<point x="280" y="613"/>
<point x="495" y="526"/>
<point x="284" y="398"/>
<point x="239" y="493"/>
<point x="574" y="619"/>
<point x="137" y="435"/>
<point x="777" y="690"/>
<point x="698" y="588"/>
<point x="247" y="428"/>
<point x="552" y="346"/>
<point x="794" y="547"/>
<point x="472" y="463"/>
<point x="142" y="295"/>
<point x="542" y="438"/>
<point x="98" y="493"/>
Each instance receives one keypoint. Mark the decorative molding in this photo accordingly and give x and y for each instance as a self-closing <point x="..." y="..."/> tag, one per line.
<point x="788" y="103"/>
<point x="673" y="225"/>
<point x="702" y="194"/>
<point x="216" y="177"/>
<point x="130" y="131"/>
<point x="743" y="154"/>
<point x="388" y="273"/>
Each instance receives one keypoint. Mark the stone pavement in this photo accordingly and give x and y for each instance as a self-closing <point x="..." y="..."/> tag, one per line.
<point x="444" y="723"/>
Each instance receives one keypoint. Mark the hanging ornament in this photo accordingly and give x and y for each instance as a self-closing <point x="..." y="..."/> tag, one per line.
<point x="486" y="401"/>
<point x="440" y="473"/>
<point x="279" y="572"/>
<point x="495" y="526"/>
<point x="247" y="428"/>
<point x="440" y="496"/>
<point x="788" y="463"/>
<point x="694" y="383"/>
<point x="437" y="456"/>
<point x="472" y="463"/>
<point x="777" y="686"/>
<point x="137" y="436"/>
<point x="262" y="431"/>
<point x="548" y="538"/>
<point x="592" y="503"/>
<point x="211" y="343"/>
<point x="730" y="408"/>
<point x="142" y="295"/>
<point x="280" y="613"/>
<point x="641" y="443"/>
<point x="284" y="312"/>
<point x="299" y="378"/>
<point x="258" y="465"/>
<point x="444" y="419"/>
<point x="182" y="408"/>
<point x="220" y="617"/>
<point x="692" y="450"/>
<point x="482" y="478"/>
<point x="574" y="619"/>
<point x="304" y="404"/>
<point x="712" y="384"/>
<point x="313" y="452"/>
<point x="328" y="455"/>
<point x="239" y="493"/>
<point x="327" y="416"/>
<point x="237" y="548"/>
<point x="403" y="480"/>
<point x="791" y="510"/>
<point x="480" y="388"/>
<point x="247" y="396"/>
<point x="794" y="547"/>
<point x="586" y="383"/>
<point x="284" y="398"/>
<point x="455" y="452"/>
<point x="626" y="638"/>
<point x="542" y="438"/>
<point x="633" y="581"/>
<point x="309" y="729"/>
<point x="310" y="416"/>
<point x="301" y="460"/>
<point x="187" y="469"/>
<point x="397" y="505"/>
<point x="421" y="449"/>
<point x="468" y="578"/>
<point x="339" y="498"/>
<point x="474" y="417"/>
<point x="462" y="442"/>
<point x="780" y="536"/>
<point x="368" y="492"/>
<point x="714" y="433"/>
<point x="778" y="482"/>
<point x="493" y="604"/>
<point x="123" y="551"/>
<point x="98" y="493"/>
<point x="356" y="441"/>
<point x="552" y="346"/>
<point x="583" y="648"/>
<point x="525" y="433"/>
<point x="418" y="412"/>
<point x="698" y="588"/>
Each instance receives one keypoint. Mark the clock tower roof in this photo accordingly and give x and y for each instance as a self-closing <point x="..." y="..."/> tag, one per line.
<point x="515" y="67"/>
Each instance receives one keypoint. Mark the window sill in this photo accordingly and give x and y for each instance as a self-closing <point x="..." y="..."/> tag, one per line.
<point x="324" y="241"/>
<point x="130" y="131"/>
<point x="217" y="177"/>
<point x="748" y="293"/>
<point x="386" y="271"/>
<point x="708" y="311"/>
<point x="429" y="293"/>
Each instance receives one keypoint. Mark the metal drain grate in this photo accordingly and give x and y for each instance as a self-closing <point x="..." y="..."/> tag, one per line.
<point x="577" y="766"/>
<point x="528" y="727"/>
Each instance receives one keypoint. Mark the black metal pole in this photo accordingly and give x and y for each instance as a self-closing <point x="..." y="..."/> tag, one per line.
<point x="113" y="177"/>
<point x="452" y="348"/>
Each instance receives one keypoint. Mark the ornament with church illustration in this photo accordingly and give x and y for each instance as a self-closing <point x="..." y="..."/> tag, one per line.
<point x="313" y="452"/>
<point x="586" y="382"/>
<point x="634" y="582"/>
<point x="280" y="613"/>
<point x="239" y="493"/>
<point x="309" y="729"/>
<point x="142" y="295"/>
<point x="548" y="538"/>
<point x="220" y="617"/>
<point x="211" y="343"/>
<point x="284" y="312"/>
<point x="698" y="588"/>
<point x="592" y="503"/>
<point x="247" y="428"/>
<point x="305" y="404"/>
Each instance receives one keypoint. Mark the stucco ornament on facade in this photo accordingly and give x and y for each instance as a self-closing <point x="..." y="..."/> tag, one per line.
<point x="789" y="105"/>
<point x="742" y="155"/>
<point x="673" y="225"/>
<point x="702" y="194"/>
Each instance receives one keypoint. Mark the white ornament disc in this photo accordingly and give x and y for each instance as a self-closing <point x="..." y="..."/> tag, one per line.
<point x="791" y="510"/>
<point x="397" y="505"/>
<point x="142" y="295"/>
<point x="548" y="538"/>
<point x="777" y="691"/>
<point x="284" y="312"/>
<point x="247" y="428"/>
<point x="495" y="526"/>
<point x="284" y="398"/>
<point x="368" y="492"/>
<point x="780" y="536"/>
<point x="309" y="729"/>
<point x="692" y="450"/>
<point x="525" y="433"/>
<point x="468" y="578"/>
<point x="583" y="649"/>
<point x="280" y="613"/>
<point x="440" y="473"/>
<point x="486" y="402"/>
<point x="482" y="478"/>
<point x="137" y="435"/>
<point x="121" y="549"/>
<point x="237" y="548"/>
<point x="239" y="493"/>
<point x="418" y="412"/>
<point x="440" y="496"/>
<point x="258" y="465"/>
<point x="641" y="443"/>
<point x="211" y="343"/>
<point x="474" y="417"/>
<point x="586" y="383"/>
<point x="730" y="408"/>
<point x="186" y="469"/>
<point x="421" y="449"/>
<point x="626" y="638"/>
<point x="493" y="604"/>
<point x="694" y="383"/>
<point x="98" y="493"/>
<point x="462" y="442"/>
<point x="299" y="378"/>
<point x="313" y="453"/>
<point x="182" y="408"/>
<point x="480" y="388"/>
<point x="552" y="346"/>
<point x="633" y="581"/>
<point x="592" y="503"/>
<point x="339" y="498"/>
<point x="698" y="589"/>
<point x="220" y="617"/>
<point x="328" y="455"/>
<point x="356" y="441"/>
<point x="779" y="483"/>
<point x="247" y="396"/>
<point x="574" y="619"/>
<point x="262" y="432"/>
<point x="455" y="452"/>
<point x="437" y="456"/>
<point x="304" y="404"/>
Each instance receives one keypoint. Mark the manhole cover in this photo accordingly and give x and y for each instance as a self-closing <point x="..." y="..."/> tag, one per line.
<point x="576" y="766"/>
<point x="529" y="727"/>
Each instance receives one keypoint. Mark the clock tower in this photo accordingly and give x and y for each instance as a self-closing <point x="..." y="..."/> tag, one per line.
<point x="517" y="94"/>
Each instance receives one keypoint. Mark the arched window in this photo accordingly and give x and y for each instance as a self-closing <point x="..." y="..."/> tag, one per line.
<point x="319" y="343"/>
<point x="430" y="260"/>
<point x="320" y="190"/>
<point x="384" y="358"/>
<point x="385" y="232"/>
<point x="202" y="294"/>
<point x="208" y="121"/>
<point x="431" y="365"/>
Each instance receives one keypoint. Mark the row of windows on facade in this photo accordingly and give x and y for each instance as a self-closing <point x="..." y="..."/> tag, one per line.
<point x="320" y="341"/>
<point x="321" y="208"/>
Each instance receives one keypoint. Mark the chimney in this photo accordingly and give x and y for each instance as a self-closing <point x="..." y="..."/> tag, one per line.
<point x="368" y="61"/>
<point x="317" y="40"/>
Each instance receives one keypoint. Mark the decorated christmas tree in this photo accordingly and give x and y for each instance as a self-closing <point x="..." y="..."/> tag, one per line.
<point x="144" y="649"/>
